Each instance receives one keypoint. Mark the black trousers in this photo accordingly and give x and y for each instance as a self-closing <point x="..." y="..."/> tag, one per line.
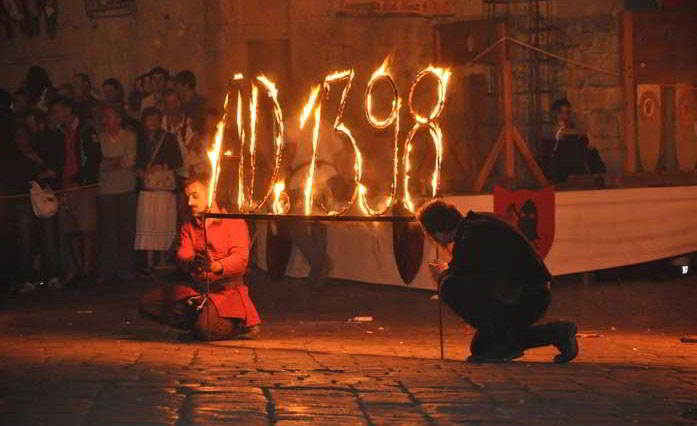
<point x="499" y="325"/>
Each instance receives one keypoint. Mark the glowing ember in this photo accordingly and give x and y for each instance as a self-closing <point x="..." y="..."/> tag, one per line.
<point x="309" y="183"/>
<point x="214" y="158"/>
<point x="442" y="76"/>
<point x="241" y="136"/>
<point x="227" y="153"/>
<point x="383" y="73"/>
<point x="281" y="203"/>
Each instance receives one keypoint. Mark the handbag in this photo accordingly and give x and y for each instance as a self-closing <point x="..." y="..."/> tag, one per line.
<point x="43" y="201"/>
<point x="162" y="180"/>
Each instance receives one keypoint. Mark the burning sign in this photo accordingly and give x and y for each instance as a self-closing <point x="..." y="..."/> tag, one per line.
<point x="312" y="110"/>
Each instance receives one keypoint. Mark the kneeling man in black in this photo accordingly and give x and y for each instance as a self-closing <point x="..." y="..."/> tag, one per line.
<point x="497" y="283"/>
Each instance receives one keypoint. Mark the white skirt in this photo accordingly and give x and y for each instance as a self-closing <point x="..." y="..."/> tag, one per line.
<point x="156" y="220"/>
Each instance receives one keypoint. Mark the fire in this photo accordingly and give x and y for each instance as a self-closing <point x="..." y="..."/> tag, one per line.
<point x="281" y="204"/>
<point x="227" y="153"/>
<point x="442" y="76"/>
<point x="392" y="119"/>
<point x="245" y="197"/>
<point x="313" y="163"/>
<point x="307" y="109"/>
<point x="214" y="158"/>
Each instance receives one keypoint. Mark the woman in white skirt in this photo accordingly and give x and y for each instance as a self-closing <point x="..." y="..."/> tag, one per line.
<point x="156" y="216"/>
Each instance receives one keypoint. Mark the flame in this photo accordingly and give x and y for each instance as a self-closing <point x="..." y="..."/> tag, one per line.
<point x="278" y="206"/>
<point x="238" y="76"/>
<point x="392" y="119"/>
<point x="311" y="173"/>
<point x="227" y="153"/>
<point x="241" y="136"/>
<point x="272" y="91"/>
<point x="311" y="101"/>
<point x="442" y="75"/>
<point x="214" y="158"/>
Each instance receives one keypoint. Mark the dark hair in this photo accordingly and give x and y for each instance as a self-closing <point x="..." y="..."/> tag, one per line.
<point x="116" y="85"/>
<point x="559" y="103"/>
<point x="159" y="70"/>
<point x="149" y="111"/>
<point x="438" y="216"/>
<point x="201" y="177"/>
<point x="63" y="101"/>
<point x="36" y="81"/>
<point x="186" y="78"/>
<point x="84" y="77"/>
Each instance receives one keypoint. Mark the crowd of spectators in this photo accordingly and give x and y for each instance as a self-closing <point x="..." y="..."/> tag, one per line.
<point x="116" y="162"/>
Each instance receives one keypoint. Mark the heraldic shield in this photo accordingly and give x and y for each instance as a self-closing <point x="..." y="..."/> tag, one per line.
<point x="531" y="212"/>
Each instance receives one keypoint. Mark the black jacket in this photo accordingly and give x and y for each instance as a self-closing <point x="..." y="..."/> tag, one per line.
<point x="488" y="247"/>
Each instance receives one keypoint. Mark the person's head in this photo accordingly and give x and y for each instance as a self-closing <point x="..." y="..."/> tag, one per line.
<point x="196" y="190"/>
<point x="112" y="117"/>
<point x="185" y="83"/>
<point x="35" y="119"/>
<point x="36" y="81"/>
<point x="62" y="110"/>
<point x="82" y="85"/>
<point x="172" y="102"/>
<point x="151" y="119"/>
<point x="439" y="220"/>
<point x="147" y="84"/>
<point x="20" y="101"/>
<point x="159" y="78"/>
<point x="112" y="90"/>
<point x="561" y="108"/>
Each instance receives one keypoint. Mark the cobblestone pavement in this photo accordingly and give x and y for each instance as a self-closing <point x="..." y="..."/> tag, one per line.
<point x="84" y="357"/>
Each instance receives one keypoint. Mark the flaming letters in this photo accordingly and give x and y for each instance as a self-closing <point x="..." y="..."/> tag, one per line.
<point x="313" y="107"/>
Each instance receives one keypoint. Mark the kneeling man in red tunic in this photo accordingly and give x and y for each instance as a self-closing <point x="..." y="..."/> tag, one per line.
<point x="225" y="311"/>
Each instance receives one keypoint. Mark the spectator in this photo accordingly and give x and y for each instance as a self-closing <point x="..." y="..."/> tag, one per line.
<point x="77" y="215"/>
<point x="135" y="98"/>
<point x="49" y="144"/>
<point x="193" y="103"/>
<point x="176" y="121"/>
<point x="571" y="152"/>
<point x="20" y="102"/>
<point x="37" y="85"/>
<point x="112" y="92"/>
<point x="26" y="166"/>
<point x="156" y="217"/>
<point x="85" y="101"/>
<point x="159" y="79"/>
<point x="117" y="199"/>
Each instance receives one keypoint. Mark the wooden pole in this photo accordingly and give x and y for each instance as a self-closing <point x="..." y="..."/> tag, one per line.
<point x="507" y="81"/>
<point x="489" y="163"/>
<point x="629" y="84"/>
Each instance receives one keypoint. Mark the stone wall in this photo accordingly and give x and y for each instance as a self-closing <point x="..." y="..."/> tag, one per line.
<point x="216" y="38"/>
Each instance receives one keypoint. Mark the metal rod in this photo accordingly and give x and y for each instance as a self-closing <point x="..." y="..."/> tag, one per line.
<point x="311" y="218"/>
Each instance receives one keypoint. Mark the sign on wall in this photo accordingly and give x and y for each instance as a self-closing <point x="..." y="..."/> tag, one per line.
<point x="109" y="8"/>
<point x="395" y="7"/>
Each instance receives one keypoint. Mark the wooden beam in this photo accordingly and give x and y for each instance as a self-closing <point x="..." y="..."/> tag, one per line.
<point x="629" y="84"/>
<point x="507" y="85"/>
<point x="488" y="164"/>
<point x="529" y="159"/>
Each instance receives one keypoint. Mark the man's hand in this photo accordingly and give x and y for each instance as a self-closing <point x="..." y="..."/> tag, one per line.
<point x="437" y="270"/>
<point x="203" y="263"/>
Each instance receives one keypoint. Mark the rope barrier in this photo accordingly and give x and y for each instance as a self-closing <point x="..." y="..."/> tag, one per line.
<point x="60" y="191"/>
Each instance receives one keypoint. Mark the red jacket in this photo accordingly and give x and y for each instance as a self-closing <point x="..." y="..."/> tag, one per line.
<point x="228" y="243"/>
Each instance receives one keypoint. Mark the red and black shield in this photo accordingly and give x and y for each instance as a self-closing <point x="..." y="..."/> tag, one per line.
<point x="531" y="211"/>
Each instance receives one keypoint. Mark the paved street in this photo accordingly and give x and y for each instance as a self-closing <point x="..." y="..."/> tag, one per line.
<point x="83" y="356"/>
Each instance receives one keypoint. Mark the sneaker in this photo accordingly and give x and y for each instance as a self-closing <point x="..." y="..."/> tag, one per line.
<point x="567" y="343"/>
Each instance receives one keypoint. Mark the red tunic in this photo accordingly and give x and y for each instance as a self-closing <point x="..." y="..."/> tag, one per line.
<point x="228" y="243"/>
